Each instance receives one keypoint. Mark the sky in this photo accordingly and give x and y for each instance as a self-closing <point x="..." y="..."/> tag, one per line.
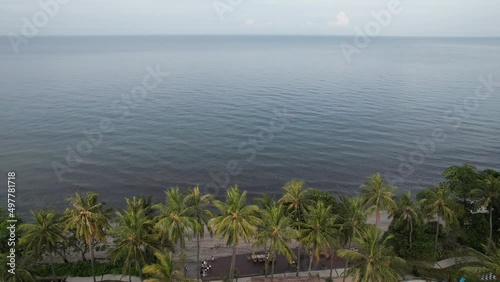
<point x="314" y="17"/>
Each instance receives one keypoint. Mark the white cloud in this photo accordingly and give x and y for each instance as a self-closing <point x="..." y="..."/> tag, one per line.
<point x="341" y="20"/>
<point x="249" y="22"/>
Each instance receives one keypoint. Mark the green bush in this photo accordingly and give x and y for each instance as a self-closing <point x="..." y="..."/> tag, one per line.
<point x="77" y="269"/>
<point x="475" y="230"/>
<point x="423" y="239"/>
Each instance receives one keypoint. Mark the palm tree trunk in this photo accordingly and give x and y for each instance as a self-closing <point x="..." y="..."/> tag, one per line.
<point x="377" y="218"/>
<point x="233" y="262"/>
<point x="331" y="264"/>
<point x="92" y="258"/>
<point x="266" y="267"/>
<point x="298" y="256"/>
<point x="298" y="259"/>
<point x="130" y="271"/>
<point x="272" y="265"/>
<point x="310" y="264"/>
<point x="344" y="274"/>
<point x="139" y="270"/>
<point x="266" y="264"/>
<point x="437" y="234"/>
<point x="491" y="222"/>
<point x="52" y="266"/>
<point x="198" y="254"/>
<point x="411" y="232"/>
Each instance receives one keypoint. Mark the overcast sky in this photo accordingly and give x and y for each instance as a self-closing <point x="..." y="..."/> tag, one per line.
<point x="335" y="17"/>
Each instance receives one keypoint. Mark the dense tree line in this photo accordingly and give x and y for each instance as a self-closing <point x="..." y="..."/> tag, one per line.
<point x="458" y="217"/>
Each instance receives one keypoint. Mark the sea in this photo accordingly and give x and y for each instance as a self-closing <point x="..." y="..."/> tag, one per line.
<point x="131" y="115"/>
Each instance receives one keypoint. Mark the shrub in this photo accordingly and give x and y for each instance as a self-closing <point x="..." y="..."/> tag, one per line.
<point x="77" y="269"/>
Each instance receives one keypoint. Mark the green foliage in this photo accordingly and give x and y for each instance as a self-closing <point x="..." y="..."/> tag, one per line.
<point x="4" y="232"/>
<point x="452" y="273"/>
<point x="167" y="268"/>
<point x="77" y="269"/>
<point x="488" y="261"/>
<point x="326" y="197"/>
<point x="135" y="241"/>
<point x="377" y="195"/>
<point x="374" y="261"/>
<point x="474" y="231"/>
<point x="88" y="217"/>
<point x="319" y="231"/>
<point x="275" y="228"/>
<point x="325" y="222"/>
<point x="24" y="270"/>
<point x="237" y="220"/>
<point x="174" y="220"/>
<point x="462" y="179"/>
<point x="422" y="242"/>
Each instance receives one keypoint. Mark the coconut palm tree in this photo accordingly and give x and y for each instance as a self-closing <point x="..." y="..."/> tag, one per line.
<point x="489" y="262"/>
<point x="90" y="221"/>
<point x="296" y="199"/>
<point x="167" y="269"/>
<point x="197" y="208"/>
<point x="174" y="220"/>
<point x="276" y="229"/>
<point x="489" y="192"/>
<point x="374" y="261"/>
<point x="42" y="235"/>
<point x="134" y="239"/>
<point x="407" y="214"/>
<point x="319" y="231"/>
<point x="377" y="195"/>
<point x="439" y="202"/>
<point x="352" y="218"/>
<point x="236" y="221"/>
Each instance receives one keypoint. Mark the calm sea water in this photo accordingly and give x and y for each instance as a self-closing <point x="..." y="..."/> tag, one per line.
<point x="268" y="108"/>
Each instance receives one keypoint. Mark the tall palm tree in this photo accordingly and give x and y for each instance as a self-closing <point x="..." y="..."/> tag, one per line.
<point x="167" y="269"/>
<point x="352" y="218"/>
<point x="489" y="262"/>
<point x="319" y="231"/>
<point x="439" y="202"/>
<point x="265" y="202"/>
<point x="377" y="195"/>
<point x="296" y="199"/>
<point x="134" y="239"/>
<point x="275" y="228"/>
<point x="236" y="220"/>
<point x="90" y="221"/>
<point x="197" y="208"/>
<point x="375" y="261"/>
<point x="42" y="235"/>
<point x="407" y="213"/>
<point x="174" y="220"/>
<point x="489" y="192"/>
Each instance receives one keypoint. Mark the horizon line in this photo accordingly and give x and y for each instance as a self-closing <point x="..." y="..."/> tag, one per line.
<point x="260" y="34"/>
